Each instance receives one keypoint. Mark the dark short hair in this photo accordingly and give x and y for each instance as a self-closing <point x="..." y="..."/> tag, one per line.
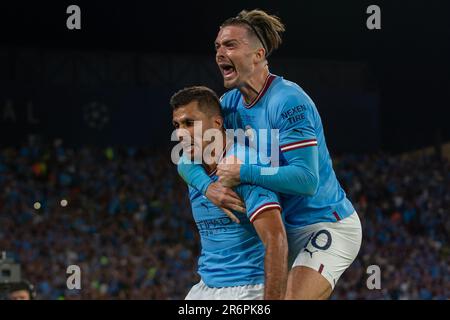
<point x="22" y="286"/>
<point x="208" y="101"/>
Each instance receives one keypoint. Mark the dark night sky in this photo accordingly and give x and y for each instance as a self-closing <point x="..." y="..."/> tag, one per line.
<point x="331" y="29"/>
<point x="409" y="56"/>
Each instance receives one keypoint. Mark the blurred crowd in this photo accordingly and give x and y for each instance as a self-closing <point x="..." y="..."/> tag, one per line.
<point x="404" y="205"/>
<point x="126" y="222"/>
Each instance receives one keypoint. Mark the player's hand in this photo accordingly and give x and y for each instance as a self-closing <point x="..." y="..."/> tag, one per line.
<point x="229" y="172"/>
<point x="226" y="199"/>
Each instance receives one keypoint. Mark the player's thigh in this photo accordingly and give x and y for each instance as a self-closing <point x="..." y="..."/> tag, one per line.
<point x="305" y="283"/>
<point x="329" y="250"/>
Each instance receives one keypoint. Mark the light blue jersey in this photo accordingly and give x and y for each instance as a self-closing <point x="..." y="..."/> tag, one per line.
<point x="283" y="105"/>
<point x="231" y="254"/>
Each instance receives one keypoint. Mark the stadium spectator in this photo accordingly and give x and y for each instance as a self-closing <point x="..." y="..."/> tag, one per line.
<point x="128" y="225"/>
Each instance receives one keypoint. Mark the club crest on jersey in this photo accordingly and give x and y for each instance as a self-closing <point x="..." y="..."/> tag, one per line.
<point x="250" y="133"/>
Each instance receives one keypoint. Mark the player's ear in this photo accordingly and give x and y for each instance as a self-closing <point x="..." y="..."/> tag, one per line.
<point x="260" y="55"/>
<point x="218" y="122"/>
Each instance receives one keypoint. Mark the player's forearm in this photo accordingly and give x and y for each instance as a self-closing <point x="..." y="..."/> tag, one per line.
<point x="290" y="179"/>
<point x="194" y="175"/>
<point x="299" y="177"/>
<point x="275" y="266"/>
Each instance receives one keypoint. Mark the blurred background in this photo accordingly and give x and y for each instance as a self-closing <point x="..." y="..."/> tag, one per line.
<point x="84" y="117"/>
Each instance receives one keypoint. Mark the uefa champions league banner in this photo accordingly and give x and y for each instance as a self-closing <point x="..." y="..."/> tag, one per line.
<point x="106" y="116"/>
<point x="142" y="116"/>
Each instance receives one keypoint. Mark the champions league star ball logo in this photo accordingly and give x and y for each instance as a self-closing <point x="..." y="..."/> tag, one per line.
<point x="96" y="115"/>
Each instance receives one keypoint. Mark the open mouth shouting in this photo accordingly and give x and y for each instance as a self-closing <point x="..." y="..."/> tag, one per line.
<point x="228" y="70"/>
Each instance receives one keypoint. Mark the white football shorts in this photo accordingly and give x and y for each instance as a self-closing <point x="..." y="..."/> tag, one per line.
<point x="201" y="291"/>
<point x="328" y="247"/>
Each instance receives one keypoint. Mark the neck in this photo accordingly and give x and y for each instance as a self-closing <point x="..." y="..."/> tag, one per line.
<point x="216" y="157"/>
<point x="253" y="86"/>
